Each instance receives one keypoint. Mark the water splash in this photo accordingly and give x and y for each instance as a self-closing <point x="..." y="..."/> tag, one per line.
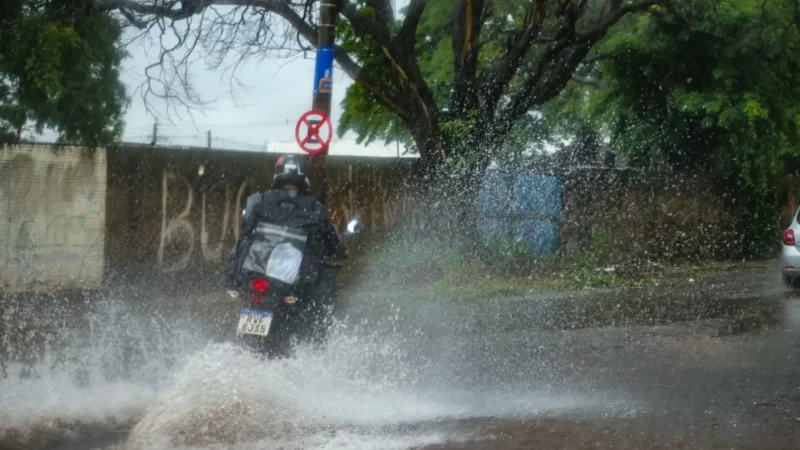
<point x="68" y="366"/>
<point x="174" y="384"/>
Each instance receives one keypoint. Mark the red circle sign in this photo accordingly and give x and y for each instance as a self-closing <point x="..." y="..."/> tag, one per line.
<point x="313" y="126"/>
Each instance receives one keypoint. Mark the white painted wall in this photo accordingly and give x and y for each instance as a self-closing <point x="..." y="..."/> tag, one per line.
<point x="52" y="218"/>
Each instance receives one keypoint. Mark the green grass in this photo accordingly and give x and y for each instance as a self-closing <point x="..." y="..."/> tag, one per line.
<point x="491" y="287"/>
<point x="425" y="267"/>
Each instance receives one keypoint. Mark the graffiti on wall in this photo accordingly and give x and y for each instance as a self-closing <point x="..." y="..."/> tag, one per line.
<point x="380" y="204"/>
<point x="178" y="230"/>
<point x="52" y="219"/>
<point x="65" y="245"/>
<point x="188" y="216"/>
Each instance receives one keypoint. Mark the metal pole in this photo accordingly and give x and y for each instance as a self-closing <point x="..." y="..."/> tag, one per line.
<point x="323" y="86"/>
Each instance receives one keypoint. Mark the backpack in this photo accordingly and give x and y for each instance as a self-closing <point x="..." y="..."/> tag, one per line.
<point x="278" y="240"/>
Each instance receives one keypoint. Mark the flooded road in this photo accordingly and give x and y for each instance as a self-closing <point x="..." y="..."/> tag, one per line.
<point x="132" y="379"/>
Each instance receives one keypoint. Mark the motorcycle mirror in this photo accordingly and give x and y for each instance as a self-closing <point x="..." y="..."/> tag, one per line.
<point x="353" y="226"/>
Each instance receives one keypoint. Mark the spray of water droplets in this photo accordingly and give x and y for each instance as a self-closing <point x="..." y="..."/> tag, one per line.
<point x="169" y="383"/>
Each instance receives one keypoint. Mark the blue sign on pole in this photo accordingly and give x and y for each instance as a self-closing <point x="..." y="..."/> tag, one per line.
<point x="323" y="75"/>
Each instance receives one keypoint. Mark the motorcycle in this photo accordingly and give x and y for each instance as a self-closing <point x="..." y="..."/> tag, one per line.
<point x="274" y="311"/>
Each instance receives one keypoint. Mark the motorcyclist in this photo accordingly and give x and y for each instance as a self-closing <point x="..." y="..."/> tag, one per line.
<point x="289" y="204"/>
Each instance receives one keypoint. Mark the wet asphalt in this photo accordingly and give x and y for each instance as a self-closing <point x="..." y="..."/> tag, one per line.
<point x="719" y="381"/>
<point x="707" y="383"/>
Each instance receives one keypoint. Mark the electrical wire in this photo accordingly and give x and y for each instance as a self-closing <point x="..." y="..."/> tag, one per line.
<point x="207" y="125"/>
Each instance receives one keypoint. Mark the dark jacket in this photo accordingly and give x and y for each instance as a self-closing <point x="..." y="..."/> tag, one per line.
<point x="302" y="212"/>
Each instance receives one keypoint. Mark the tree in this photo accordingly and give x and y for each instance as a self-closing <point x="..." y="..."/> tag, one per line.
<point x="505" y="58"/>
<point x="59" y="69"/>
<point x="709" y="86"/>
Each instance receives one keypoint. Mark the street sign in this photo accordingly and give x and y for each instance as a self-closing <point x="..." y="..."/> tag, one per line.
<point x="312" y="121"/>
<point x="323" y="70"/>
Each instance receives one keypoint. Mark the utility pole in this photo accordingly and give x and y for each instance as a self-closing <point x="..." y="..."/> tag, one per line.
<point x="154" y="142"/>
<point x="323" y="86"/>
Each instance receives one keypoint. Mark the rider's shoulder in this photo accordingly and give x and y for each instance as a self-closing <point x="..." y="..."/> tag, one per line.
<point x="253" y="200"/>
<point x="258" y="195"/>
<point x="268" y="193"/>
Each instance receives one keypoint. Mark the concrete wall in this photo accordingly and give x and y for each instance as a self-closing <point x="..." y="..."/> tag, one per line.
<point x="625" y="214"/>
<point x="165" y="217"/>
<point x="645" y="215"/>
<point x="52" y="218"/>
<point x="63" y="213"/>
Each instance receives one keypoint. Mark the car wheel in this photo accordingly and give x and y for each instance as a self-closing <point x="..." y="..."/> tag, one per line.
<point x="789" y="281"/>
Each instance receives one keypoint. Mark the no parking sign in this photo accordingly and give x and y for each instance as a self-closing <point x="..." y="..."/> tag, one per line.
<point x="313" y="142"/>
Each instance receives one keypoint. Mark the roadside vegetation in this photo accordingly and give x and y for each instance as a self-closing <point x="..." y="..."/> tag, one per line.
<point x="587" y="290"/>
<point x="433" y="267"/>
<point x="60" y="63"/>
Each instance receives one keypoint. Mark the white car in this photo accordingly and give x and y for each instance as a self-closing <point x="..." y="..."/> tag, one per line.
<point x="790" y="252"/>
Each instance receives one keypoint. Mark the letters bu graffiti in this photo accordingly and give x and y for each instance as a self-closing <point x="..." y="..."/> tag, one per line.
<point x="179" y="229"/>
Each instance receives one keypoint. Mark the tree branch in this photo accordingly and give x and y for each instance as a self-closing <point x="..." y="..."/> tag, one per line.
<point x="495" y="81"/>
<point x="151" y="13"/>
<point x="556" y="66"/>
<point x="383" y="10"/>
<point x="167" y="10"/>
<point x="468" y="18"/>
<point x="365" y="25"/>
<point x="132" y="19"/>
<point x="615" y="16"/>
<point x="406" y="37"/>
<point x="597" y="58"/>
<point x="403" y="61"/>
<point x="588" y="81"/>
<point x="387" y="96"/>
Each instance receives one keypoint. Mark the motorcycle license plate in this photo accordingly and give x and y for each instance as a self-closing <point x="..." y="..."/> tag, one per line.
<point x="254" y="322"/>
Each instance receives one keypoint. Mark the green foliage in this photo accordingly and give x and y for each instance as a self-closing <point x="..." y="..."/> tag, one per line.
<point x="371" y="121"/>
<point x="505" y="256"/>
<point x="587" y="264"/>
<point x="713" y="87"/>
<point x="706" y="85"/>
<point x="465" y="150"/>
<point x="364" y="115"/>
<point x="59" y="69"/>
<point x="363" y="112"/>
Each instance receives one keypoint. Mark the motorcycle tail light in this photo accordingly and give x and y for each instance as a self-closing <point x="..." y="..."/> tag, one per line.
<point x="259" y="285"/>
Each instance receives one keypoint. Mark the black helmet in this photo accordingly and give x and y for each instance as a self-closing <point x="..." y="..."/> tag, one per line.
<point x="291" y="170"/>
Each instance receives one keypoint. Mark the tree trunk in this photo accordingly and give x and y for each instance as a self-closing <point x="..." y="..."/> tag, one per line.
<point x="450" y="196"/>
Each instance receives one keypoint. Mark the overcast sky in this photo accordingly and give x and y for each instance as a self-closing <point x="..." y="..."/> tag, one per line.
<point x="275" y="94"/>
